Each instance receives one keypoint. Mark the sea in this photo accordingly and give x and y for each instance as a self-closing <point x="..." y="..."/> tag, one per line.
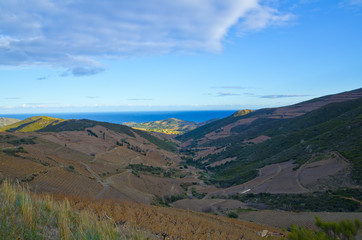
<point x="138" y="117"/>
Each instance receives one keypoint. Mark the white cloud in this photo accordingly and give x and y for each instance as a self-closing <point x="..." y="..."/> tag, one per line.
<point x="262" y="16"/>
<point x="351" y="4"/>
<point x="284" y="96"/>
<point x="77" y="34"/>
<point x="227" y="94"/>
<point x="355" y="2"/>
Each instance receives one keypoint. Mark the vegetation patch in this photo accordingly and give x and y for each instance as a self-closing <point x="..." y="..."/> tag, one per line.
<point x="91" y="133"/>
<point x="173" y="198"/>
<point x="17" y="141"/>
<point x="14" y="151"/>
<point x="345" y="229"/>
<point x="232" y="214"/>
<point x="313" y="202"/>
<point x="158" y="171"/>
<point x="196" y="194"/>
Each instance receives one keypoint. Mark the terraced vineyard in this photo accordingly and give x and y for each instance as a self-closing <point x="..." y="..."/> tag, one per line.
<point x="63" y="181"/>
<point x="169" y="223"/>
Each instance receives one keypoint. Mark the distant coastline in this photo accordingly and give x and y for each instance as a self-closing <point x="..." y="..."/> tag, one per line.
<point x="138" y="117"/>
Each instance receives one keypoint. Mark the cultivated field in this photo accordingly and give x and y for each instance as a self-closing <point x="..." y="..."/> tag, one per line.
<point x="323" y="171"/>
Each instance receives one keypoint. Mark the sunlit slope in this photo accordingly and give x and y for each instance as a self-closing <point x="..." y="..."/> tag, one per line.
<point x="168" y="126"/>
<point x="32" y="124"/>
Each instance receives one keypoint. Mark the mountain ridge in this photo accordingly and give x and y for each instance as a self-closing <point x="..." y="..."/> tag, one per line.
<point x="281" y="139"/>
<point x="49" y="124"/>
<point x="223" y="126"/>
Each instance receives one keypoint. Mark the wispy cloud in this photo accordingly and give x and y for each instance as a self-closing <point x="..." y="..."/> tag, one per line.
<point x="41" y="78"/>
<point x="356" y="3"/>
<point x="228" y="87"/>
<point x="92" y="97"/>
<point x="82" y="71"/>
<point x="34" y="105"/>
<point x="139" y="99"/>
<point x="13" y="98"/>
<point x="77" y="35"/>
<point x="284" y="96"/>
<point x="263" y="16"/>
<point x="227" y="94"/>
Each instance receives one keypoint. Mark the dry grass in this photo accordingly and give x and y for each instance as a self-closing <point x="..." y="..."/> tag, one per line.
<point x="27" y="216"/>
<point x="170" y="223"/>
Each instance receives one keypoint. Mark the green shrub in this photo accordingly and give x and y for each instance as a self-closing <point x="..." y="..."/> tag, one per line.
<point x="232" y="215"/>
<point x="344" y="230"/>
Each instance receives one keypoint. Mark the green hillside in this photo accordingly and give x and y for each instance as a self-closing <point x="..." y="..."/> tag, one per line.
<point x="168" y="126"/>
<point x="265" y="117"/>
<point x="7" y="121"/>
<point x="334" y="127"/>
<point x="31" y="124"/>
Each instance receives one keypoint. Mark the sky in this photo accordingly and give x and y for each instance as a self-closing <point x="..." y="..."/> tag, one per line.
<point x="161" y="55"/>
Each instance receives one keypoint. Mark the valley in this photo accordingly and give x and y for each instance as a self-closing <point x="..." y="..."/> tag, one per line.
<point x="253" y="165"/>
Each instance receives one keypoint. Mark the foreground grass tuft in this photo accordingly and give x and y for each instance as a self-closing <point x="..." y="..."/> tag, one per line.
<point x="25" y="216"/>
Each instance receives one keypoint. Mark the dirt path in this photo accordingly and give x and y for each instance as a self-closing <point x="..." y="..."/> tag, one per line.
<point x="273" y="176"/>
<point x="104" y="184"/>
<point x="297" y="178"/>
<point x="341" y="156"/>
<point x="350" y="198"/>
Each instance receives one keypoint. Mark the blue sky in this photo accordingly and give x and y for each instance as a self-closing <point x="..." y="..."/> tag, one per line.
<point x="140" y="55"/>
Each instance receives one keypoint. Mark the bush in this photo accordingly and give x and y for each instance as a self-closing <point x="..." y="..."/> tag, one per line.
<point x="232" y="215"/>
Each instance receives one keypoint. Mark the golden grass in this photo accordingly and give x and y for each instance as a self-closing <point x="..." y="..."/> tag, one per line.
<point x="170" y="223"/>
<point x="27" y="216"/>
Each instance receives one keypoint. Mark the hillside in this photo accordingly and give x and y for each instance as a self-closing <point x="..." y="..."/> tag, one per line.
<point x="49" y="124"/>
<point x="263" y="117"/>
<point x="260" y="138"/>
<point x="168" y="126"/>
<point x="7" y="121"/>
<point x="63" y="157"/>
